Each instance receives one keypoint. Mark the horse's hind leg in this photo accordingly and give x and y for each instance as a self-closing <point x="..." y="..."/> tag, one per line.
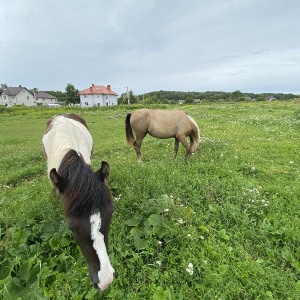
<point x="137" y="147"/>
<point x="176" y="146"/>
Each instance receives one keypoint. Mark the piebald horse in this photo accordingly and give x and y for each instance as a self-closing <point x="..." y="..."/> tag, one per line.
<point x="162" y="124"/>
<point x="88" y="207"/>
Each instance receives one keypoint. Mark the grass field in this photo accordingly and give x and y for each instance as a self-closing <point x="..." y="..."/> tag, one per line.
<point x="223" y="224"/>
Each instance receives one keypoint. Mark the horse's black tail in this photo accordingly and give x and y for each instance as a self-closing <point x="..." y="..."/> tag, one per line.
<point x="128" y="130"/>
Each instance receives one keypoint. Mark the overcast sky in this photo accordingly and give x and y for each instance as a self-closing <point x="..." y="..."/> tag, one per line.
<point x="150" y="45"/>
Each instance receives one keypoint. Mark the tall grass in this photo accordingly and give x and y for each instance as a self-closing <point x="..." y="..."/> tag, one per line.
<point x="223" y="224"/>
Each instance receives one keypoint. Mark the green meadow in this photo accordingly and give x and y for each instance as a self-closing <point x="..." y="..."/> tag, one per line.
<point x="222" y="224"/>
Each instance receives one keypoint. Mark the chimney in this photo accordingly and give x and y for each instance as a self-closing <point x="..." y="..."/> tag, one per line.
<point x="108" y="88"/>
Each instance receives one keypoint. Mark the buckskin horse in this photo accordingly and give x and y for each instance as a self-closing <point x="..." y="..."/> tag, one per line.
<point x="67" y="145"/>
<point x="162" y="124"/>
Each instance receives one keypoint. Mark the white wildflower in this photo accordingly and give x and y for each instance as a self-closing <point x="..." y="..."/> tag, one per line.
<point x="190" y="269"/>
<point x="255" y="190"/>
<point x="118" y="198"/>
<point x="180" y="221"/>
<point x="158" y="262"/>
<point x="166" y="210"/>
<point x="159" y="242"/>
<point x="189" y="235"/>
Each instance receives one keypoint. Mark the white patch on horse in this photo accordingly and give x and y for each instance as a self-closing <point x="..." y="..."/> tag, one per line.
<point x="74" y="136"/>
<point x="106" y="273"/>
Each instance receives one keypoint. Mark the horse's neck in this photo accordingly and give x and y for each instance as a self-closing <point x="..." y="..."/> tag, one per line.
<point x="54" y="158"/>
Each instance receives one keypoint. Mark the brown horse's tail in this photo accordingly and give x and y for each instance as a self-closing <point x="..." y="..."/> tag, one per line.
<point x="194" y="136"/>
<point x="128" y="130"/>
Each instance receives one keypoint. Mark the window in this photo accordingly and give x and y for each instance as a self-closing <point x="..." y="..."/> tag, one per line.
<point x="86" y="104"/>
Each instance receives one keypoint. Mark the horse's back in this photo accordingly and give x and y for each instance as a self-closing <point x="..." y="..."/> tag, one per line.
<point x="160" y="123"/>
<point x="65" y="133"/>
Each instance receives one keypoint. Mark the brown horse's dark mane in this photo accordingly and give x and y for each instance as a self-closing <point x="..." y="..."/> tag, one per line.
<point x="84" y="192"/>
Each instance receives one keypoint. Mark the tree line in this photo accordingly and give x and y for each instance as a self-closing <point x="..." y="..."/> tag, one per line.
<point x="70" y="96"/>
<point x="172" y="97"/>
<point x="210" y="96"/>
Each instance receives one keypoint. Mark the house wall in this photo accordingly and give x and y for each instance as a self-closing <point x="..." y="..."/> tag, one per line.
<point x="22" y="98"/>
<point x="4" y="100"/>
<point x="98" y="100"/>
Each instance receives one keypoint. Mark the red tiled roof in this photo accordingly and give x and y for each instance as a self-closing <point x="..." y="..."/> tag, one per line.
<point x="98" y="89"/>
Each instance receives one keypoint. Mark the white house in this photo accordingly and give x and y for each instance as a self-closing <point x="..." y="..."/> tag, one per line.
<point x="45" y="99"/>
<point x="98" y="95"/>
<point x="11" y="96"/>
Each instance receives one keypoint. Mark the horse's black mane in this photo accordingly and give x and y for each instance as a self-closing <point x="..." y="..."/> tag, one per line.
<point x="84" y="192"/>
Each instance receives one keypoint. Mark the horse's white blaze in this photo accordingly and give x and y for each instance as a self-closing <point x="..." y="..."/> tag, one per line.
<point x="75" y="136"/>
<point x="106" y="272"/>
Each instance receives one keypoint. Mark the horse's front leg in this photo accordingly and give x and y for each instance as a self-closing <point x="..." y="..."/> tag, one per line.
<point x="185" y="144"/>
<point x="176" y="146"/>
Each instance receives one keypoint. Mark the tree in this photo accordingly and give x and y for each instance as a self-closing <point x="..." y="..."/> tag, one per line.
<point x="151" y="99"/>
<point x="124" y="98"/>
<point x="236" y="95"/>
<point x="127" y="98"/>
<point x="132" y="97"/>
<point x="189" y="100"/>
<point x="72" y="94"/>
<point x="34" y="90"/>
<point x="3" y="85"/>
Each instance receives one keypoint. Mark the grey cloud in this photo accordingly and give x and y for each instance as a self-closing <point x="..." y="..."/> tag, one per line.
<point x="151" y="45"/>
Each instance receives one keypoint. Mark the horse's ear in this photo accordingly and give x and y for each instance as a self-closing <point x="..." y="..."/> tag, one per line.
<point x="58" y="181"/>
<point x="103" y="172"/>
